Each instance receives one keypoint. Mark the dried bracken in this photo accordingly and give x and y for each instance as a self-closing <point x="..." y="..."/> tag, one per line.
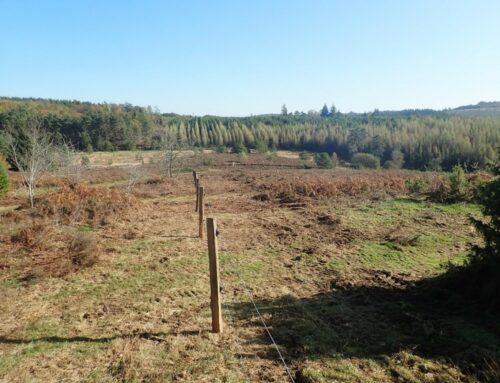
<point x="54" y="251"/>
<point x="85" y="204"/>
<point x="336" y="184"/>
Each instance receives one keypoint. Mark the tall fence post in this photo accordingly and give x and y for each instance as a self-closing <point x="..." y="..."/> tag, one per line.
<point x="201" y="211"/>
<point x="194" y="177"/>
<point x="215" y="302"/>
<point x="197" y="187"/>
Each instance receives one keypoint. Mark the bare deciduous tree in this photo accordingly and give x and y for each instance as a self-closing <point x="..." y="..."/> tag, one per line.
<point x="171" y="148"/>
<point x="69" y="163"/>
<point x="34" y="156"/>
<point x="134" y="172"/>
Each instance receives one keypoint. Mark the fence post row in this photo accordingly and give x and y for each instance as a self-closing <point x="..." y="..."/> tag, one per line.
<point x="215" y="302"/>
<point x="201" y="211"/>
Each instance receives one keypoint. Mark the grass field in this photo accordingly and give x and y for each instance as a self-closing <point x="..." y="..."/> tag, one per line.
<point x="344" y="266"/>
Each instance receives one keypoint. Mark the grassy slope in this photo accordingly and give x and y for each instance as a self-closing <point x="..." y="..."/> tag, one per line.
<point x="343" y="301"/>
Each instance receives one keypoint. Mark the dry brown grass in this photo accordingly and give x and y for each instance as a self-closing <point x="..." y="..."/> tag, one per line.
<point x="141" y="312"/>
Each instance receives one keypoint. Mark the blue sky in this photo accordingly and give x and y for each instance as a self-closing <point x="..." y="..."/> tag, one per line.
<point x="239" y="57"/>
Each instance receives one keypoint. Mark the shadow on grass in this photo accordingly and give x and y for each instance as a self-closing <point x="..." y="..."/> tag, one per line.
<point x="382" y="317"/>
<point x="156" y="336"/>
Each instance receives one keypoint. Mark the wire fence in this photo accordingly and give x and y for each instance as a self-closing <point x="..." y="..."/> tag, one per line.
<point x="221" y="241"/>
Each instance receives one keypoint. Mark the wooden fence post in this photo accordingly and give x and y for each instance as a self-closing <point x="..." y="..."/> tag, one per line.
<point x="215" y="302"/>
<point x="201" y="211"/>
<point x="197" y="187"/>
<point x="194" y="177"/>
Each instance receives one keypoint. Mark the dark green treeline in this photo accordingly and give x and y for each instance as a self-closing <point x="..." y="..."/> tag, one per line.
<point x="427" y="142"/>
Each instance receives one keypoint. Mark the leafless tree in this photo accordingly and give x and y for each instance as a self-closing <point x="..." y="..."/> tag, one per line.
<point x="34" y="157"/>
<point x="171" y="149"/>
<point x="134" y="172"/>
<point x="69" y="163"/>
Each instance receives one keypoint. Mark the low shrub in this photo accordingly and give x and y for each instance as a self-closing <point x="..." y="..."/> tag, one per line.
<point x="439" y="189"/>
<point x="479" y="278"/>
<point x="261" y="147"/>
<point x="460" y="188"/>
<point x="221" y="149"/>
<point x="305" y="156"/>
<point x="416" y="186"/>
<point x="83" y="249"/>
<point x="240" y="147"/>
<point x="85" y="161"/>
<point x="389" y="164"/>
<point x="365" y="160"/>
<point x="323" y="160"/>
<point x="456" y="186"/>
<point x="208" y="162"/>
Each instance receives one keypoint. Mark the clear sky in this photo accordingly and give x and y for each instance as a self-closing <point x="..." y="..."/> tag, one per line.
<point x="235" y="57"/>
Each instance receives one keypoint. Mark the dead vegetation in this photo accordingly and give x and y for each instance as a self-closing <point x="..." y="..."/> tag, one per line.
<point x="80" y="204"/>
<point x="83" y="249"/>
<point x="54" y="239"/>
<point x="99" y="285"/>
<point x="292" y="187"/>
<point x="43" y="250"/>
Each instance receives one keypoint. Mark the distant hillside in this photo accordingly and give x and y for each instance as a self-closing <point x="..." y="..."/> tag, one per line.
<point x="418" y="139"/>
<point x="481" y="109"/>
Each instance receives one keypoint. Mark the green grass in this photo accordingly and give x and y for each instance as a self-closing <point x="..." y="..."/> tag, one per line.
<point x="394" y="212"/>
<point x="427" y="252"/>
<point x="87" y="228"/>
<point x="10" y="283"/>
<point x="337" y="264"/>
<point x="350" y="334"/>
<point x="12" y="358"/>
<point x="473" y="334"/>
<point x="429" y="249"/>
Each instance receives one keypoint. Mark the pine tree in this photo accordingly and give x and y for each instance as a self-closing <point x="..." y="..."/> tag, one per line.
<point x="324" y="111"/>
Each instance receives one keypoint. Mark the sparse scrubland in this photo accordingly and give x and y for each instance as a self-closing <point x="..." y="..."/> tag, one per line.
<point x="351" y="269"/>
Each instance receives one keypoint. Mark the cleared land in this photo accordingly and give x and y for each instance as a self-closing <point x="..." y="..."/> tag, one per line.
<point x="343" y="264"/>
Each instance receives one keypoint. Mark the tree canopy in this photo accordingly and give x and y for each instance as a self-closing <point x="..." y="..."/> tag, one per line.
<point x="434" y="141"/>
